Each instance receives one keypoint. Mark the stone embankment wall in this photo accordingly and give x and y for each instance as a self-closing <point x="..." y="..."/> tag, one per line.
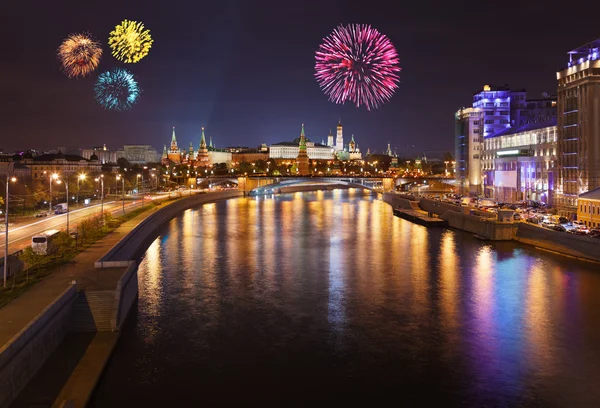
<point x="125" y="295"/>
<point x="569" y="244"/>
<point x="437" y="207"/>
<point x="563" y="243"/>
<point x="134" y="243"/>
<point x="25" y="353"/>
<point x="484" y="228"/>
<point x="399" y="201"/>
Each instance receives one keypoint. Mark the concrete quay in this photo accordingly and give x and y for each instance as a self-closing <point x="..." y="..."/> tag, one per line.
<point x="37" y="327"/>
<point x="483" y="226"/>
<point x="419" y="217"/>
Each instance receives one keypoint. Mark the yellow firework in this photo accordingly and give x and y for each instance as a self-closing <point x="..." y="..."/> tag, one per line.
<point x="79" y="55"/>
<point x="129" y="41"/>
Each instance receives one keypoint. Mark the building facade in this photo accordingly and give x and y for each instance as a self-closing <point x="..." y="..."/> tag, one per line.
<point x="102" y="152"/>
<point x="578" y="126"/>
<point x="290" y="150"/>
<point x="250" y="155"/>
<point x="588" y="208"/>
<point x="44" y="165"/>
<point x="519" y="163"/>
<point x="138" y="154"/>
<point x="495" y="105"/>
<point x="205" y="156"/>
<point x="468" y="150"/>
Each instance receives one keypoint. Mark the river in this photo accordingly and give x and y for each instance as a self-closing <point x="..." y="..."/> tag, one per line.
<point x="326" y="297"/>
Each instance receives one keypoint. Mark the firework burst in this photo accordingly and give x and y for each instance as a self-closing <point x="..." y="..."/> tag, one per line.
<point x="79" y="55"/>
<point x="116" y="89"/>
<point x="129" y="41"/>
<point x="359" y="64"/>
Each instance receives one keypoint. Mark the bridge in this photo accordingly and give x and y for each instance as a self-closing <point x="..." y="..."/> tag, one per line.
<point x="256" y="185"/>
<point x="268" y="185"/>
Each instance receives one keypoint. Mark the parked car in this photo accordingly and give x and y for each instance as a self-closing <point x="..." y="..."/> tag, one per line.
<point x="41" y="214"/>
<point x="559" y="228"/>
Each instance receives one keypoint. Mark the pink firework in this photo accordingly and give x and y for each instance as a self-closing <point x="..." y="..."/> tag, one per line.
<point x="357" y="63"/>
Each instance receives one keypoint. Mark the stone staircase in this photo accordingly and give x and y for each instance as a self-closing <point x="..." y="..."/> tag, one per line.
<point x="92" y="311"/>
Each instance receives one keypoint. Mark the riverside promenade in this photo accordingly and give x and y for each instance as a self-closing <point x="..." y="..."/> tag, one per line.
<point x="70" y="371"/>
<point x="16" y="316"/>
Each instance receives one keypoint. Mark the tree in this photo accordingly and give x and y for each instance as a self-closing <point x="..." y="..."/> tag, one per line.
<point x="123" y="163"/>
<point x="448" y="156"/>
<point x="40" y="194"/>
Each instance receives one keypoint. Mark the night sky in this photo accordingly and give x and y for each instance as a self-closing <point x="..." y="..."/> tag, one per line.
<point x="244" y="69"/>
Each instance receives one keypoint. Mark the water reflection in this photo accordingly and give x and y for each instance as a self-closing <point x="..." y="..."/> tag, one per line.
<point x="299" y="295"/>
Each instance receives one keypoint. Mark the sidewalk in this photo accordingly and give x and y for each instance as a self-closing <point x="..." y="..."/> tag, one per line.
<point x="18" y="313"/>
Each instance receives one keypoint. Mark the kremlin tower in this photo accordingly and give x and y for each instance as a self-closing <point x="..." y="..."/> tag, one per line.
<point x="202" y="158"/>
<point x="174" y="154"/>
<point x="302" y="159"/>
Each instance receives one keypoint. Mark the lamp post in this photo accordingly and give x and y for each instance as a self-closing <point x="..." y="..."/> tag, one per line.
<point x="79" y="178"/>
<point x="102" y="195"/>
<point x="52" y="177"/>
<point x="119" y="177"/>
<point x="66" y="181"/>
<point x="138" y="177"/>
<point x="8" y="180"/>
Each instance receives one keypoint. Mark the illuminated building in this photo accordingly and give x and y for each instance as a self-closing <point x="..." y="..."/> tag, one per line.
<point x="205" y="156"/>
<point x="353" y="150"/>
<point x="302" y="158"/>
<point x="468" y="149"/>
<point x="45" y="164"/>
<point x="138" y="154"/>
<point x="290" y="150"/>
<point x="330" y="139"/>
<point x="102" y="152"/>
<point x="578" y="126"/>
<point x="339" y="141"/>
<point x="588" y="208"/>
<point x="518" y="163"/>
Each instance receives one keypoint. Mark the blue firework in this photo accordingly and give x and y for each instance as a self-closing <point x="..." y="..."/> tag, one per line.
<point x="117" y="89"/>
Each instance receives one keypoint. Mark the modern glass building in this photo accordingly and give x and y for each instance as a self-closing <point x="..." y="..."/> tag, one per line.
<point x="468" y="149"/>
<point x="519" y="163"/>
<point x="578" y="126"/>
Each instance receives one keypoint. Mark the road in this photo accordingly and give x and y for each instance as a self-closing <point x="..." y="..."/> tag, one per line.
<point x="19" y="236"/>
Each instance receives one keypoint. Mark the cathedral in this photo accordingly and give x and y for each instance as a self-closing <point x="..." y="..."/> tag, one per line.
<point x="205" y="156"/>
<point x="343" y="152"/>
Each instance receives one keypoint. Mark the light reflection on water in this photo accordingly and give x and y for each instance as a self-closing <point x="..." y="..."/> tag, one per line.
<point x="259" y="299"/>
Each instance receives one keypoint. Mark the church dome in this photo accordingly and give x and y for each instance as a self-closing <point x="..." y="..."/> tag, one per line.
<point x="93" y="157"/>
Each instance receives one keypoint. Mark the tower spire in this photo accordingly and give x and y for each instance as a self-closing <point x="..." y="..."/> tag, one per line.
<point x="203" y="140"/>
<point x="210" y="143"/>
<point x="173" y="138"/>
<point x="302" y="139"/>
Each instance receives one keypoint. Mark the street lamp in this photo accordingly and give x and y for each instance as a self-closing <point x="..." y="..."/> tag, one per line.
<point x="102" y="195"/>
<point x="52" y="177"/>
<point x="8" y="180"/>
<point x="138" y="177"/>
<point x="122" y="190"/>
<point x="66" y="181"/>
<point x="79" y="178"/>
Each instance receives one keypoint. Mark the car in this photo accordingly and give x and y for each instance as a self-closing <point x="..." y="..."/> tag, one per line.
<point x="533" y="220"/>
<point x="41" y="214"/>
<point x="559" y="228"/>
